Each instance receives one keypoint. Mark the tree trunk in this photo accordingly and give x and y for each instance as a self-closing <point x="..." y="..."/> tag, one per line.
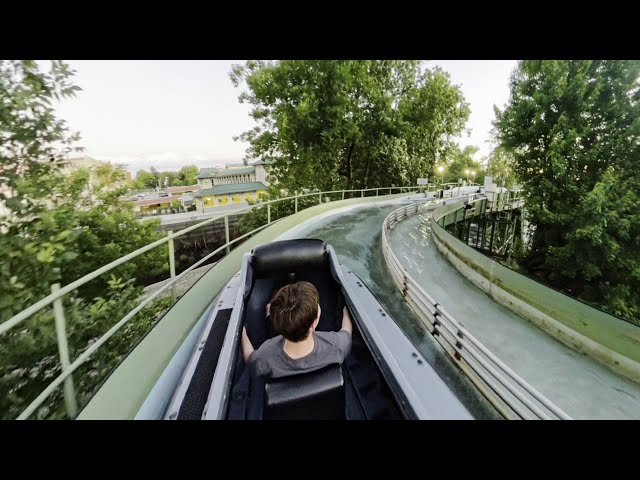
<point x="366" y="173"/>
<point x="349" y="173"/>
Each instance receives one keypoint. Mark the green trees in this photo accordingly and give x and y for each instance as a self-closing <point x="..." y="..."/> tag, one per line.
<point x="145" y="180"/>
<point x="459" y="162"/>
<point x="186" y="176"/>
<point x="349" y="124"/>
<point x="500" y="167"/>
<point x="55" y="229"/>
<point x="573" y="128"/>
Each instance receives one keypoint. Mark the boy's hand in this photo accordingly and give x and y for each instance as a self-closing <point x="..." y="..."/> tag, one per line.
<point x="247" y="347"/>
<point x="346" y="320"/>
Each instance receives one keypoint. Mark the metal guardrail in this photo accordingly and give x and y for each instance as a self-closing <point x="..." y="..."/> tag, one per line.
<point x="507" y="391"/>
<point x="57" y="293"/>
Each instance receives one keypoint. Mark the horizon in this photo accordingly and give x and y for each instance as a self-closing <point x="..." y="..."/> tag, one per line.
<point x="169" y="114"/>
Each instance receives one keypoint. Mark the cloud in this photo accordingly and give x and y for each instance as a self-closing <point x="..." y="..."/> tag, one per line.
<point x="167" y="161"/>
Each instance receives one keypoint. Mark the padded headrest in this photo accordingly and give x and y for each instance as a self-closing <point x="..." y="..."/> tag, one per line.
<point x="287" y="390"/>
<point x="289" y="255"/>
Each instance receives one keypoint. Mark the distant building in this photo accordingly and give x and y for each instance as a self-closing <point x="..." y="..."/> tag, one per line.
<point x="70" y="165"/>
<point x="223" y="186"/>
<point x="176" y="191"/>
<point x="154" y="206"/>
<point x="67" y="166"/>
<point x="230" y="193"/>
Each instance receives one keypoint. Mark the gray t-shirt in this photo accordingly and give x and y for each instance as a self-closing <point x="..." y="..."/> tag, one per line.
<point x="270" y="360"/>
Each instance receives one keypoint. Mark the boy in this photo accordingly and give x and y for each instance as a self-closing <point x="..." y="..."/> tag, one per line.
<point x="295" y="313"/>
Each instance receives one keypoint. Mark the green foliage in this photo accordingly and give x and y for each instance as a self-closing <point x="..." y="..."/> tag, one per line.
<point x="349" y="124"/>
<point x="459" y="162"/>
<point x="56" y="229"/>
<point x="29" y="358"/>
<point x="259" y="215"/>
<point x="573" y="128"/>
<point x="188" y="175"/>
<point x="145" y="180"/>
<point x="85" y="229"/>
<point x="500" y="167"/>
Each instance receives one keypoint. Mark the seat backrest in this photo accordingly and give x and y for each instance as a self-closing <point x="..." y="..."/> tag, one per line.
<point x="317" y="395"/>
<point x="287" y="256"/>
<point x="275" y="264"/>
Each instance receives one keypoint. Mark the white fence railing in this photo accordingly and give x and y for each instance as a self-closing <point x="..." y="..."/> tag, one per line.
<point x="57" y="293"/>
<point x="512" y="396"/>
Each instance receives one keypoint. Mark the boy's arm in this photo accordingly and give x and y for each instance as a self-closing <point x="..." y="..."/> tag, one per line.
<point x="247" y="347"/>
<point x="343" y="342"/>
<point x="346" y="320"/>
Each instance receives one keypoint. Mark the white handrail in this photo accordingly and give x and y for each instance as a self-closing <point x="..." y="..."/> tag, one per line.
<point x="464" y="341"/>
<point x="36" y="307"/>
<point x="23" y="315"/>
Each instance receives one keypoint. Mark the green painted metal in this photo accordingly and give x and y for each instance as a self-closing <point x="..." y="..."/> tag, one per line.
<point x="94" y="347"/>
<point x="226" y="232"/>
<point x="231" y="188"/>
<point x="125" y="390"/>
<point x="63" y="349"/>
<point x="172" y="265"/>
<point x="36" y="307"/>
<point x="613" y="333"/>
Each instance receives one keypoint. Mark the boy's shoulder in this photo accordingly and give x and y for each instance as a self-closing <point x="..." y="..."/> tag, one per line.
<point x="334" y="338"/>
<point x="268" y="346"/>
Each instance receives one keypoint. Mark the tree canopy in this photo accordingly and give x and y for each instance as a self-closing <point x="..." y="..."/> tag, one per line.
<point x="186" y="176"/>
<point x="573" y="128"/>
<point x="458" y="162"/>
<point x="347" y="123"/>
<point x="58" y="226"/>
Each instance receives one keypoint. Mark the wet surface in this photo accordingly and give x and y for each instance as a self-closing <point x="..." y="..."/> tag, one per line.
<point x="581" y="386"/>
<point x="356" y="237"/>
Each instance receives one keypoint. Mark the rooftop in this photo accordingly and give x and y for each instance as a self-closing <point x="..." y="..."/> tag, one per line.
<point x="231" y="188"/>
<point x="182" y="189"/>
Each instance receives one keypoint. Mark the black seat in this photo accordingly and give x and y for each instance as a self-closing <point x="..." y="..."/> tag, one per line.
<point x="317" y="395"/>
<point x="279" y="263"/>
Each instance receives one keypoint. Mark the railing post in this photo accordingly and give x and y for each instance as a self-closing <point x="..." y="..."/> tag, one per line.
<point x="377" y="189"/>
<point x="268" y="213"/>
<point x="362" y="193"/>
<point x="343" y="194"/>
<point x="172" y="265"/>
<point x="320" y="198"/>
<point x="63" y="349"/>
<point x="226" y="232"/>
<point x="296" y="204"/>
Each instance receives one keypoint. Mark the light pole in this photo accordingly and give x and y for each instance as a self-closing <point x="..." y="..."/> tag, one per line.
<point x="466" y="172"/>
<point x="473" y="176"/>
<point x="441" y="172"/>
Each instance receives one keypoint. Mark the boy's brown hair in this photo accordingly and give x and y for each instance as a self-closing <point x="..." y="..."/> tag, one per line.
<point x="294" y="309"/>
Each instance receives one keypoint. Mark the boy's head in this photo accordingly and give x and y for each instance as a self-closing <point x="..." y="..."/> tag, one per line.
<point x="295" y="310"/>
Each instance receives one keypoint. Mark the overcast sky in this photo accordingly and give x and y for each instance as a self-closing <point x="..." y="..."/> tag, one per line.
<point x="174" y="113"/>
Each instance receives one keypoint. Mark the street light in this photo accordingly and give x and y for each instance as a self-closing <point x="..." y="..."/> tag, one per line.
<point x="473" y="175"/>
<point x="466" y="172"/>
<point x="441" y="172"/>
